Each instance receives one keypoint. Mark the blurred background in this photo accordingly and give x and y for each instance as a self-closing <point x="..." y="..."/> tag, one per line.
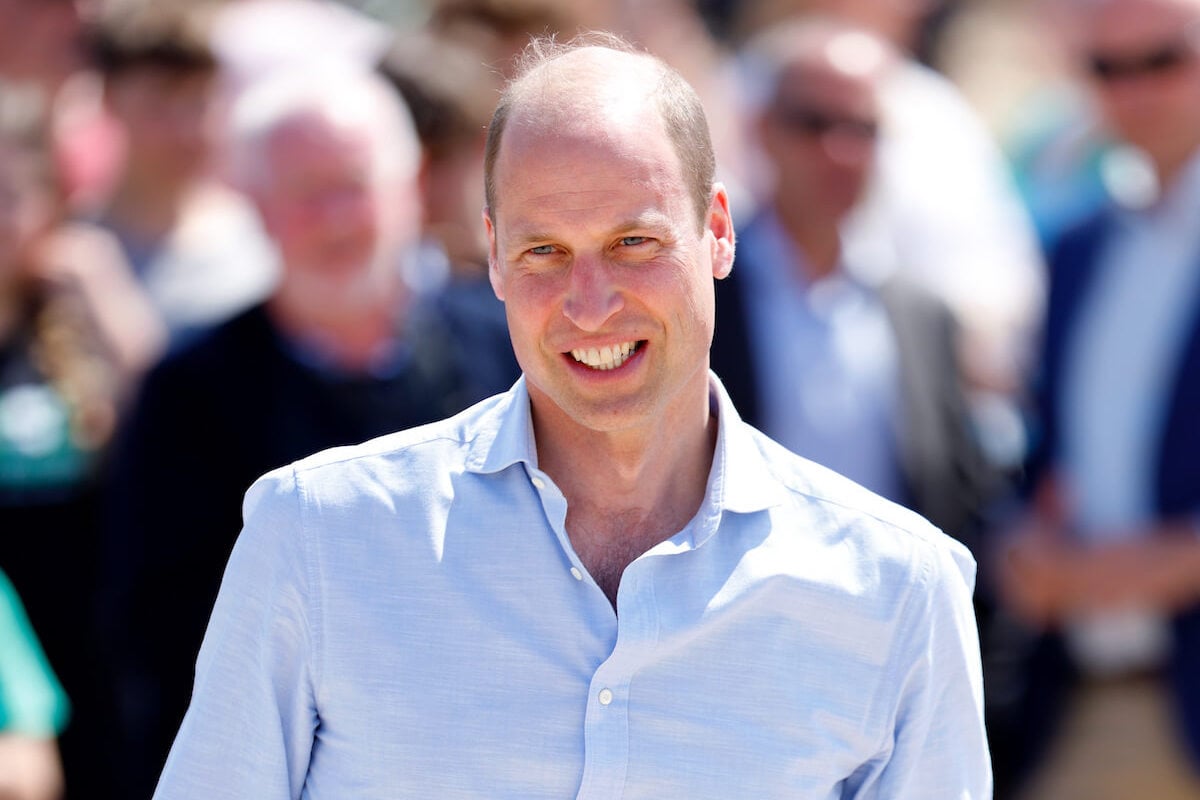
<point x="234" y="232"/>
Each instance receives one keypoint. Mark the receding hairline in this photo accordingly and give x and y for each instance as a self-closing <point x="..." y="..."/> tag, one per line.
<point x="605" y="72"/>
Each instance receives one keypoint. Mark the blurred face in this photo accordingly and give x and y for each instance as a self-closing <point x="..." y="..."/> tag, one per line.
<point x="1142" y="59"/>
<point x="39" y="39"/>
<point x="820" y="134"/>
<point x="606" y="275"/>
<point x="323" y="202"/>
<point x="168" y="117"/>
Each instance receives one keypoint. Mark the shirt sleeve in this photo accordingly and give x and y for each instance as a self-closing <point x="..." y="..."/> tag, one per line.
<point x="249" y="728"/>
<point x="32" y="702"/>
<point x="938" y="749"/>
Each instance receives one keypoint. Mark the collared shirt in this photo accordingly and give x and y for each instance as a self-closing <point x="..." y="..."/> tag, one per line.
<point x="830" y="378"/>
<point x="407" y="618"/>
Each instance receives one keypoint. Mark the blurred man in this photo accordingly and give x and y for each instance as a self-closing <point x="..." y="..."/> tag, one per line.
<point x="342" y="351"/>
<point x="1107" y="562"/>
<point x="195" y="246"/>
<point x="601" y="583"/>
<point x="863" y="379"/>
<point x="943" y="212"/>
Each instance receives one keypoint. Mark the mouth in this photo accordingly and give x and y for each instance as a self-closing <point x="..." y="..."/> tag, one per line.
<point x="607" y="357"/>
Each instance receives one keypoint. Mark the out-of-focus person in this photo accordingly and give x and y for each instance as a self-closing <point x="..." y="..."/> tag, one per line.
<point x="43" y="45"/>
<point x="451" y="94"/>
<point x="343" y="350"/>
<point x="942" y="209"/>
<point x="33" y="708"/>
<point x="863" y="378"/>
<point x="195" y="245"/>
<point x="1106" y="564"/>
<point x="74" y="337"/>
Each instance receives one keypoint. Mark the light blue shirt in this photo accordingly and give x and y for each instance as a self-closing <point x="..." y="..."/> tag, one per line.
<point x="407" y="618"/>
<point x="830" y="380"/>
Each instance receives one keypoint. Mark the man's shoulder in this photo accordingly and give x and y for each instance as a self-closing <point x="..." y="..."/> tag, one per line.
<point x="403" y="456"/>
<point x="846" y="512"/>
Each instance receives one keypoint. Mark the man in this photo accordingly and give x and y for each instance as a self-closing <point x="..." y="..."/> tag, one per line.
<point x="859" y="377"/>
<point x="942" y="211"/>
<point x="341" y="352"/>
<point x="195" y="246"/>
<point x="1107" y="562"/>
<point x="602" y="583"/>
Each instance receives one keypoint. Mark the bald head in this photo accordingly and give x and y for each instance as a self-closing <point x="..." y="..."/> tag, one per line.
<point x="815" y="46"/>
<point x="592" y="83"/>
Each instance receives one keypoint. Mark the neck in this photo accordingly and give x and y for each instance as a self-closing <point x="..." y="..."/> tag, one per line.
<point x="350" y="326"/>
<point x="629" y="490"/>
<point x="817" y="238"/>
<point x="148" y="209"/>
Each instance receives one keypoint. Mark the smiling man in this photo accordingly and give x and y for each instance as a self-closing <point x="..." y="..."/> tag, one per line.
<point x="601" y="583"/>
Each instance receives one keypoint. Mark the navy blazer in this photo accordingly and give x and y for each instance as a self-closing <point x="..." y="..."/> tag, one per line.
<point x="1073" y="268"/>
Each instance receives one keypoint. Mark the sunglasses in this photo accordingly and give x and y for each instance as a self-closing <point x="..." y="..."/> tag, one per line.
<point x="1158" y="61"/>
<point x="816" y="123"/>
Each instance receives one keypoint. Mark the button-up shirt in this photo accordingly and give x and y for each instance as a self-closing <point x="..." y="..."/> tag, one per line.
<point x="408" y="618"/>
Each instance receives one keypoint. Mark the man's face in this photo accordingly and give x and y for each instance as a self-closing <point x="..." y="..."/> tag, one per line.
<point x="324" y="203"/>
<point x="1143" y="59"/>
<point x="820" y="134"/>
<point x="606" y="273"/>
<point x="169" y="118"/>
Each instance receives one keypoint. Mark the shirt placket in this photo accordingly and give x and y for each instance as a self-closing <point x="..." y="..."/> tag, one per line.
<point x="606" y="720"/>
<point x="606" y="726"/>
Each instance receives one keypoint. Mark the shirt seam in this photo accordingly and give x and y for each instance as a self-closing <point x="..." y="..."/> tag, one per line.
<point x="890" y="678"/>
<point x="311" y="597"/>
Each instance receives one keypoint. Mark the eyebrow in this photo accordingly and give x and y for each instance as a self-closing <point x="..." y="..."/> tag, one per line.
<point x="652" y="219"/>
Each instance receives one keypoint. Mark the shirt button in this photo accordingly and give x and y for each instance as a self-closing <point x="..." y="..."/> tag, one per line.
<point x="538" y="483"/>
<point x="605" y="696"/>
<point x="576" y="574"/>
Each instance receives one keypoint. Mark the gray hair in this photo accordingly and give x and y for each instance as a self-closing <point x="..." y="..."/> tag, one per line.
<point x="678" y="105"/>
<point x="346" y="95"/>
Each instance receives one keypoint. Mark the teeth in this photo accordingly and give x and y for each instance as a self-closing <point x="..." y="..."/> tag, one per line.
<point x="607" y="357"/>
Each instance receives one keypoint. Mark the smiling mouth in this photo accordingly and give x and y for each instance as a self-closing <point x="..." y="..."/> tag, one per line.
<point x="608" y="357"/>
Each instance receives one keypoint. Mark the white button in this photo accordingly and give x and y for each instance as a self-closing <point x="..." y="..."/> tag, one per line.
<point x="538" y="483"/>
<point x="605" y="696"/>
<point x="576" y="574"/>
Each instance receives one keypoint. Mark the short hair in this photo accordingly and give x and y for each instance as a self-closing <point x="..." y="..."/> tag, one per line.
<point x="678" y="106"/>
<point x="346" y="95"/>
<point x="168" y="34"/>
<point x="447" y="88"/>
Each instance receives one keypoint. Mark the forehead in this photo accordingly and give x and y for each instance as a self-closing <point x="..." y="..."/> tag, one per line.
<point x="615" y="146"/>
<point x="821" y="83"/>
<point x="1116" y="23"/>
<point x="310" y="137"/>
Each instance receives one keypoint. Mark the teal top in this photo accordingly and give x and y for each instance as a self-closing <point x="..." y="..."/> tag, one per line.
<point x="32" y="701"/>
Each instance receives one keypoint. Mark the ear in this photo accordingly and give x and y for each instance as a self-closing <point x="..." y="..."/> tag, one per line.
<point x="493" y="260"/>
<point x="720" y="225"/>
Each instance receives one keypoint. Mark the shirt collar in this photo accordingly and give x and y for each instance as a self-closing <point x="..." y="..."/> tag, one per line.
<point x="740" y="479"/>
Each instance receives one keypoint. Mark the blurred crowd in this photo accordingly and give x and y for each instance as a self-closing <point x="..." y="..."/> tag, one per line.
<point x="235" y="232"/>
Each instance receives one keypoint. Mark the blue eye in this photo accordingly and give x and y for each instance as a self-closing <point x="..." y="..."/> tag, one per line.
<point x="630" y="241"/>
<point x="542" y="250"/>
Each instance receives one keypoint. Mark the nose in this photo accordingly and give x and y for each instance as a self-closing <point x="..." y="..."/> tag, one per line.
<point x="592" y="296"/>
<point x="847" y="148"/>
